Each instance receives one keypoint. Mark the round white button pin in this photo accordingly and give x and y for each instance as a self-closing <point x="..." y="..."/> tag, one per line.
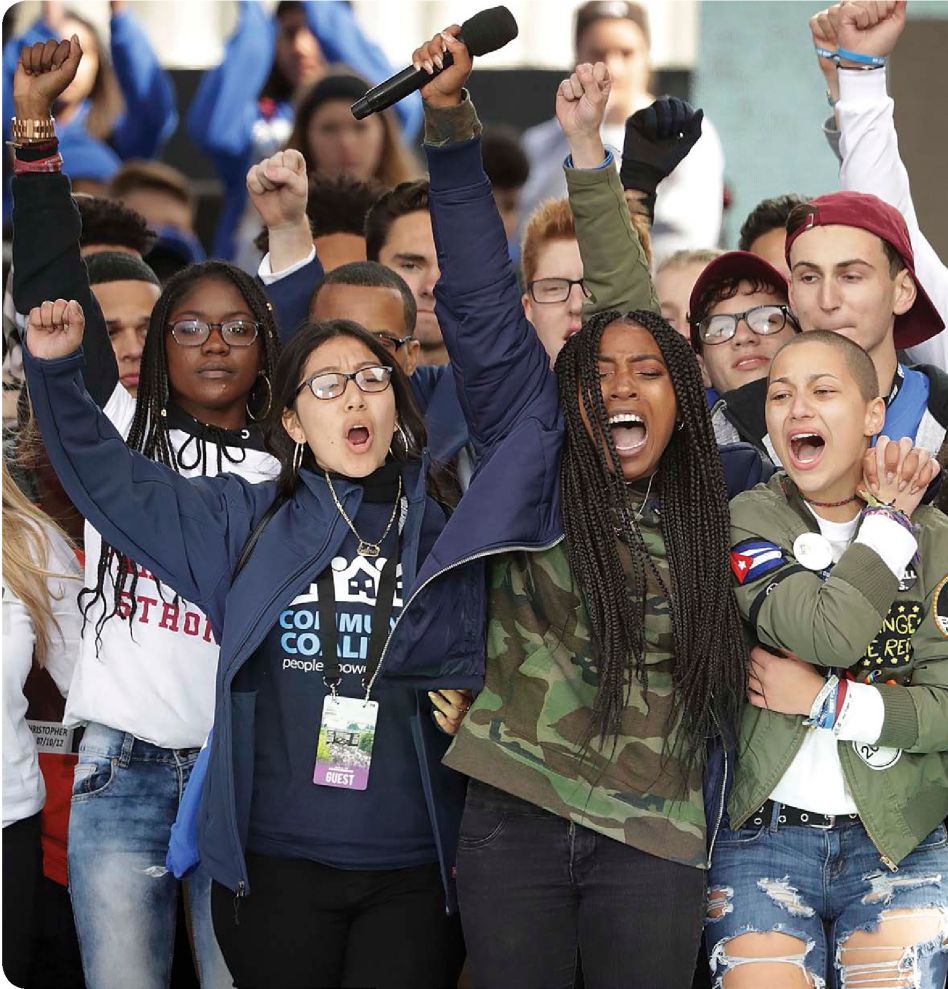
<point x="813" y="551"/>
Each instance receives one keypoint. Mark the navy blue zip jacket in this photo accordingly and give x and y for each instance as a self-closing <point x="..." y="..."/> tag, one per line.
<point x="190" y="533"/>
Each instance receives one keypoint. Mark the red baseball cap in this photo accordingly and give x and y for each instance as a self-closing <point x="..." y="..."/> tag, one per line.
<point x="734" y="265"/>
<point x="859" y="209"/>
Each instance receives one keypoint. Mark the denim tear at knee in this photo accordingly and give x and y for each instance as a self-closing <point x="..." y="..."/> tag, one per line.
<point x="722" y="961"/>
<point x="901" y="972"/>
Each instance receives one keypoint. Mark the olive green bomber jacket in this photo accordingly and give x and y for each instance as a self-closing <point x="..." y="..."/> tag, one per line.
<point x="858" y="619"/>
<point x="614" y="266"/>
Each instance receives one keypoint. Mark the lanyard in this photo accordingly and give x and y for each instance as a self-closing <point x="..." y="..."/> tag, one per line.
<point x="381" y="617"/>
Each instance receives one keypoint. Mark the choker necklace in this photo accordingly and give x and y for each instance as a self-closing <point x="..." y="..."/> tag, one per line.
<point x="831" y="504"/>
<point x="365" y="547"/>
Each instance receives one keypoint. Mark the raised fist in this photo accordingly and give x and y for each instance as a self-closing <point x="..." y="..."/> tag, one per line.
<point x="445" y="88"/>
<point x="278" y="190"/>
<point x="581" y="101"/>
<point x="870" y="28"/>
<point x="657" y="139"/>
<point x="54" y="329"/>
<point x="43" y="72"/>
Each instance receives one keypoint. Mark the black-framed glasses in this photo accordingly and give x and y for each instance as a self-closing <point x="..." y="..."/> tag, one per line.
<point x="550" y="290"/>
<point x="763" y="320"/>
<point x="331" y="384"/>
<point x="391" y="343"/>
<point x="195" y="332"/>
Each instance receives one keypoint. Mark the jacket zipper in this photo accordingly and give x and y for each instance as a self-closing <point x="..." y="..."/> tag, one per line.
<point x="452" y="566"/>
<point x="229" y="748"/>
<point x="717" y="823"/>
<point x="886" y="861"/>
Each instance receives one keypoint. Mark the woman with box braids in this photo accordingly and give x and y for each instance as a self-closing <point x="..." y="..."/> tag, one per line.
<point x="709" y="672"/>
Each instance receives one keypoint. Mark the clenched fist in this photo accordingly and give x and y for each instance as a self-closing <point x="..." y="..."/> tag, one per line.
<point x="43" y="72"/>
<point x="54" y="329"/>
<point x="277" y="188"/>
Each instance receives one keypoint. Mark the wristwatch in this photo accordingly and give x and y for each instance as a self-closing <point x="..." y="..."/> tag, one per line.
<point x="32" y="130"/>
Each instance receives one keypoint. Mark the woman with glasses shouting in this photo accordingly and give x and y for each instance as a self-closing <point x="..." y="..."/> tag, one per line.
<point x="327" y="820"/>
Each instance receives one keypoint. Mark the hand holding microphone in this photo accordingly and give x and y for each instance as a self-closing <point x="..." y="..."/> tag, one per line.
<point x="453" y="62"/>
<point x="484" y="32"/>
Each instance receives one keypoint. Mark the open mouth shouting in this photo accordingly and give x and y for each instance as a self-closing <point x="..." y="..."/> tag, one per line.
<point x="358" y="438"/>
<point x="629" y="433"/>
<point x="806" y="449"/>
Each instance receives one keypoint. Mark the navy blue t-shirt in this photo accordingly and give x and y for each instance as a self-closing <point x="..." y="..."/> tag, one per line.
<point x="385" y="826"/>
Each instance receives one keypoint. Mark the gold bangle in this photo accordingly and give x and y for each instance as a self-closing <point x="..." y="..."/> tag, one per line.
<point x="32" y="130"/>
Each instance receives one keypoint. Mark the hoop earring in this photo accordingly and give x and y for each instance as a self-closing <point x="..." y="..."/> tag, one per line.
<point x="681" y="425"/>
<point x="266" y="411"/>
<point x="297" y="458"/>
<point x="402" y="434"/>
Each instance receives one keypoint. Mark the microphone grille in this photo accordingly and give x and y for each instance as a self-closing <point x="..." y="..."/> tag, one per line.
<point x="489" y="30"/>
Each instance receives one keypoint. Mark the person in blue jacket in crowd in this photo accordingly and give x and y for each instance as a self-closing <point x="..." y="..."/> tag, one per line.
<point x="243" y="110"/>
<point x="293" y="275"/>
<point x="115" y="109"/>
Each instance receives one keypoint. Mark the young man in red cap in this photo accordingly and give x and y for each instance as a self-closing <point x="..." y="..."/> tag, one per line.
<point x="852" y="271"/>
<point x="739" y="318"/>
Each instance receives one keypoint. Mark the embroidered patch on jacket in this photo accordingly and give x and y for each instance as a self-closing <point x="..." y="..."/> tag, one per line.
<point x="755" y="558"/>
<point x="892" y="650"/>
<point x="940" y="606"/>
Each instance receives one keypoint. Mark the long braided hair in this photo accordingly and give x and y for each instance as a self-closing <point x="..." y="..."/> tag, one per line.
<point x="149" y="431"/>
<point x="709" y="673"/>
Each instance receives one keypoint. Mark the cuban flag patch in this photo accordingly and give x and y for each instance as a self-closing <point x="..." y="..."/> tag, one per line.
<point x="755" y="558"/>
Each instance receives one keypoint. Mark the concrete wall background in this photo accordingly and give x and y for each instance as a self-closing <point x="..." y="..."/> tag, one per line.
<point x="757" y="78"/>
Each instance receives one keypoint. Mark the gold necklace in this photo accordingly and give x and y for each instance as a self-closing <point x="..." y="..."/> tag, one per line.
<point x="365" y="547"/>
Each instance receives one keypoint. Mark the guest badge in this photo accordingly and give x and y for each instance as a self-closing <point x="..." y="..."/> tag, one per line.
<point x="346" y="736"/>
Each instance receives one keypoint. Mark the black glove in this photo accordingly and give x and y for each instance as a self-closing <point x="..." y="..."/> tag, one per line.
<point x="657" y="139"/>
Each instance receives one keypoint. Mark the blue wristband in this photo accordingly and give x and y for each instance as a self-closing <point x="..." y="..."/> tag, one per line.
<point x="876" y="60"/>
<point x="826" y="53"/>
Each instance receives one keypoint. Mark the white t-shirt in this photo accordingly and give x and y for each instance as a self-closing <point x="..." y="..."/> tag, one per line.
<point x="814" y="781"/>
<point x="154" y="677"/>
<point x="24" y="792"/>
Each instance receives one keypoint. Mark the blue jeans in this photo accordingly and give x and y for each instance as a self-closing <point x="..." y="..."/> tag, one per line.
<point x="124" y="800"/>
<point x="820" y="887"/>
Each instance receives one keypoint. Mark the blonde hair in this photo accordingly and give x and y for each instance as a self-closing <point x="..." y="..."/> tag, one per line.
<point x="551" y="220"/>
<point x="684" y="258"/>
<point x="26" y="532"/>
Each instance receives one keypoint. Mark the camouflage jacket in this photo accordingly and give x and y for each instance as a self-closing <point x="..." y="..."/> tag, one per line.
<point x="527" y="732"/>
<point x="859" y="618"/>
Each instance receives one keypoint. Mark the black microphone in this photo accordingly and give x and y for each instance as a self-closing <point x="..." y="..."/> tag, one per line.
<point x="484" y="32"/>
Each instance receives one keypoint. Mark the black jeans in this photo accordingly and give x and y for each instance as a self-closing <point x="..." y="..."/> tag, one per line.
<point x="308" y="926"/>
<point x="538" y="893"/>
<point x="22" y="885"/>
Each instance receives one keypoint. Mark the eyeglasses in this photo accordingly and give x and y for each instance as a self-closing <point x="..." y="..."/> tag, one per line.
<point x="549" y="290"/>
<point x="763" y="320"/>
<point x="195" y="332"/>
<point x="390" y="343"/>
<point x="331" y="384"/>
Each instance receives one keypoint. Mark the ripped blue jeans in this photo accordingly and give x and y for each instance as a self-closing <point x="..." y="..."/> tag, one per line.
<point x="821" y="887"/>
